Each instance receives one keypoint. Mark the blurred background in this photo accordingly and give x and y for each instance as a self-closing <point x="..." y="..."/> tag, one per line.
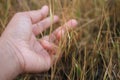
<point x="91" y="51"/>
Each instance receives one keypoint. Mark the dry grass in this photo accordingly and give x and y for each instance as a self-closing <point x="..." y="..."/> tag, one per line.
<point x="92" y="51"/>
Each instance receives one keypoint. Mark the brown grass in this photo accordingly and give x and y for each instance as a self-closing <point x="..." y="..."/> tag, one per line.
<point x="91" y="52"/>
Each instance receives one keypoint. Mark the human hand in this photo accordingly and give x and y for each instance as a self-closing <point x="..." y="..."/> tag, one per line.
<point x="31" y="54"/>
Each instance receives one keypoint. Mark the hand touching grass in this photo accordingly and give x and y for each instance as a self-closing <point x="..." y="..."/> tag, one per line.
<point x="21" y="51"/>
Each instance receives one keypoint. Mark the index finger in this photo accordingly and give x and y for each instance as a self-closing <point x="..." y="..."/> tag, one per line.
<point x="37" y="15"/>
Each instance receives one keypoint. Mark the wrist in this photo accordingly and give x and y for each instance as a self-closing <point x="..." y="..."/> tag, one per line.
<point x="9" y="64"/>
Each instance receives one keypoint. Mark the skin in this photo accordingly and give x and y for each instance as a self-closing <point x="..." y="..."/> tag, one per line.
<point x="21" y="51"/>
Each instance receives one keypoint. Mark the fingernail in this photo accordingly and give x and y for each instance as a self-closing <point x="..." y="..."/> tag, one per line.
<point x="44" y="9"/>
<point x="73" y="22"/>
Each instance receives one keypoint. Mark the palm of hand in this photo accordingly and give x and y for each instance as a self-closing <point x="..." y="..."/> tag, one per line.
<point x="30" y="50"/>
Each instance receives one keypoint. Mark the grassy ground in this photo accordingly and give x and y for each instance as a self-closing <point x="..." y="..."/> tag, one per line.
<point x="92" y="51"/>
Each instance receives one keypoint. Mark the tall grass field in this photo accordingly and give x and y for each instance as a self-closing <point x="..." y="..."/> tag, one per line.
<point x="91" y="51"/>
